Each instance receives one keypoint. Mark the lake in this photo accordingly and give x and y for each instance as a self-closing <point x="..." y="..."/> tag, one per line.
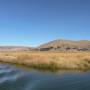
<point x="18" y="78"/>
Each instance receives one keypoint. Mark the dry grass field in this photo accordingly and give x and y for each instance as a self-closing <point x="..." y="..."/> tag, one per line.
<point x="48" y="60"/>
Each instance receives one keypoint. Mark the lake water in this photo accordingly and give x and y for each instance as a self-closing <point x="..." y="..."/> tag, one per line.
<point x="17" y="78"/>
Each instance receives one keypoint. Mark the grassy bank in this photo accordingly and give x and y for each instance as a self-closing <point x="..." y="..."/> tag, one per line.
<point x="48" y="60"/>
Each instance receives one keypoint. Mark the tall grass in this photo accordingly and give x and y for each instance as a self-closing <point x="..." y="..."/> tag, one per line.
<point x="48" y="60"/>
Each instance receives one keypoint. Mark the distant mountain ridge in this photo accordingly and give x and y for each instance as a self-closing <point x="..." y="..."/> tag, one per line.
<point x="14" y="48"/>
<point x="55" y="45"/>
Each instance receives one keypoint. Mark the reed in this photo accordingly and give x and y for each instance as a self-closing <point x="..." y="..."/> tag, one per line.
<point x="48" y="60"/>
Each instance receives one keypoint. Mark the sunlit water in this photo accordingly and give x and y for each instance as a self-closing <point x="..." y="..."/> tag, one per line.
<point x="16" y="78"/>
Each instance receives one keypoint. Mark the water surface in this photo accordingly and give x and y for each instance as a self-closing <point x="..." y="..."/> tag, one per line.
<point x="16" y="78"/>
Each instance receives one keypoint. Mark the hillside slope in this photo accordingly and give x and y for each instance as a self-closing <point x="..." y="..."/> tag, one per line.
<point x="66" y="45"/>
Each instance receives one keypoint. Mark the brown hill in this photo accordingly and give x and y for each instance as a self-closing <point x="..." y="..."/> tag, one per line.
<point x="66" y="45"/>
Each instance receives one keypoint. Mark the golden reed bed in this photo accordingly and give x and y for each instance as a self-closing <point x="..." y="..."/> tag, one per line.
<point x="48" y="60"/>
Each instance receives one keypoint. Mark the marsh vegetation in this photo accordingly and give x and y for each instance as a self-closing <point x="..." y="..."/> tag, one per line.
<point x="48" y="60"/>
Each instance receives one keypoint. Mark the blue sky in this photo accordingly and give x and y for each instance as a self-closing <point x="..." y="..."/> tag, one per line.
<point x="32" y="22"/>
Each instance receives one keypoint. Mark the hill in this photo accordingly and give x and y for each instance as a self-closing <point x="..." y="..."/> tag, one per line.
<point x="66" y="45"/>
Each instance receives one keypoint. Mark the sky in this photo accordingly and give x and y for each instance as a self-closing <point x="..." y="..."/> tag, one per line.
<point x="33" y="22"/>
